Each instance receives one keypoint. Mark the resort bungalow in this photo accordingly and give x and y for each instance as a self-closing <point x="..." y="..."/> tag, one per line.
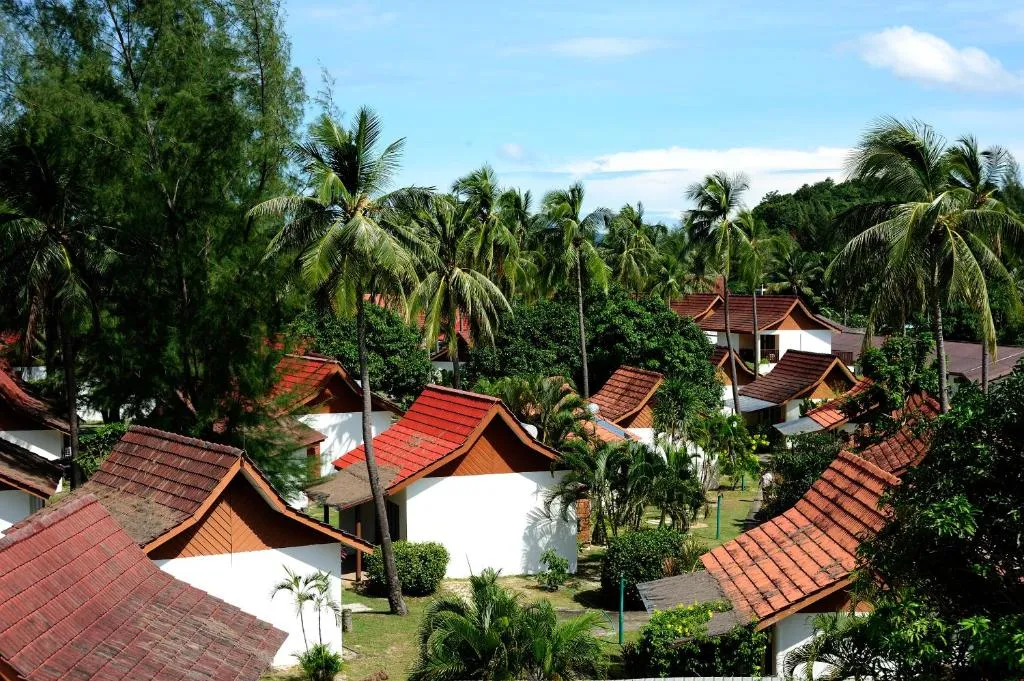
<point x="80" y="600"/>
<point x="27" y="480"/>
<point x="329" y="402"/>
<point x="626" y="400"/>
<point x="460" y="470"/>
<point x="204" y="513"/>
<point x="28" y="421"/>
<point x="723" y="369"/>
<point x="777" y="397"/>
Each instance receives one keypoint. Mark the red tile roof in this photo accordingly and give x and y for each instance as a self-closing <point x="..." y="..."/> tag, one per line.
<point x="303" y="377"/>
<point x="627" y="391"/>
<point x="771" y="311"/>
<point x="796" y="374"/>
<point x="831" y="414"/>
<point x="441" y="422"/>
<point x="808" y="551"/>
<point x="695" y="305"/>
<point x="14" y="396"/>
<point x="27" y="471"/>
<point x="80" y="600"/>
<point x="156" y="483"/>
<point x="910" y="443"/>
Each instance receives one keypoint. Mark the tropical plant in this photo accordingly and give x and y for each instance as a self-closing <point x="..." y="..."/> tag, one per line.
<point x="302" y="589"/>
<point x="595" y="473"/>
<point x="834" y="645"/>
<point x="451" y="287"/>
<point x="555" y="572"/>
<point x="717" y="200"/>
<point x="323" y="602"/>
<point x="794" y="466"/>
<point x="568" y="239"/>
<point x="494" y="635"/>
<point x="548" y="403"/>
<point x="756" y="257"/>
<point x="629" y="248"/>
<point x="936" y="238"/>
<point x="320" y="663"/>
<point x="795" y="271"/>
<point x="351" y="246"/>
<point x="723" y="439"/>
<point x="643" y="556"/>
<point x="676" y="487"/>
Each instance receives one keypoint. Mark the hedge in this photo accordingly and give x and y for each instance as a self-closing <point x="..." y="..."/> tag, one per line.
<point x="421" y="567"/>
<point x="643" y="556"/>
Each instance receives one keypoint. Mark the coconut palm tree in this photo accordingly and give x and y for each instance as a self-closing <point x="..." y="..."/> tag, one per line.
<point x="717" y="200"/>
<point x="795" y="271"/>
<point x="451" y="285"/>
<point x="548" y="403"/>
<point x="302" y="589"/>
<point x="569" y="243"/>
<point x="760" y="247"/>
<point x="593" y="473"/>
<point x="629" y="248"/>
<point x="935" y="238"/>
<point x="493" y="635"/>
<point x="835" y="643"/>
<point x="352" y="245"/>
<point x="683" y="267"/>
<point x="323" y="601"/>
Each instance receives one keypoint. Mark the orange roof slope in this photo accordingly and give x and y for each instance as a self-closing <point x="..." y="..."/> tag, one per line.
<point x="301" y="378"/>
<point x="80" y="600"/>
<point x="695" y="305"/>
<point x="797" y="373"/>
<point x="157" y="484"/>
<point x="626" y="392"/>
<point x="808" y="551"/>
<point x="14" y="396"/>
<point x="910" y="444"/>
<point x="441" y="424"/>
<point x="771" y="311"/>
<point x="831" y="414"/>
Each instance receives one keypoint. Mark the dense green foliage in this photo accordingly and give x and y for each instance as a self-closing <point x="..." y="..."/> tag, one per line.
<point x="95" y="444"/>
<point x="421" y="567"/>
<point x="495" y="635"/>
<point x="399" y="366"/>
<point x="902" y="367"/>
<point x="676" y="643"/>
<point x="320" y="663"/>
<point x="645" y="555"/>
<point x="794" y="467"/>
<point x="555" y="572"/>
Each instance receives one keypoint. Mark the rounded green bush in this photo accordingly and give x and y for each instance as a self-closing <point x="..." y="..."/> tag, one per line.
<point x="643" y="556"/>
<point x="421" y="567"/>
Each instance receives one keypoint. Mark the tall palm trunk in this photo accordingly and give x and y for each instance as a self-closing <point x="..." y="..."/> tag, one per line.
<point x="940" y="344"/>
<point x="453" y="350"/>
<point x="583" y="333"/>
<point x="71" y="389"/>
<point x="757" y="333"/>
<point x="732" y="355"/>
<point x="984" y="366"/>
<point x="395" y="599"/>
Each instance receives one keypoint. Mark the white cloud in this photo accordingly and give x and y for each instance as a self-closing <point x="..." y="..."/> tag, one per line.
<point x="350" y="16"/>
<point x="512" y="151"/>
<point x="603" y="48"/>
<point x="926" y="58"/>
<point x="747" y="159"/>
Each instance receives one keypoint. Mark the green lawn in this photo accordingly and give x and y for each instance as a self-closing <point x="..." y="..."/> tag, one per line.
<point x="735" y="508"/>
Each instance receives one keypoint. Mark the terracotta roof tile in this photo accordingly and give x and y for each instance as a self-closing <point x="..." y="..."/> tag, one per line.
<point x="303" y="377"/>
<point x="695" y="305"/>
<point x="79" y="599"/>
<point x="831" y="414"/>
<point x="437" y="424"/>
<point x="797" y="373"/>
<point x="27" y="471"/>
<point x="910" y="444"/>
<point x="771" y="310"/>
<point x="808" y="548"/>
<point x="626" y="392"/>
<point x="15" y="396"/>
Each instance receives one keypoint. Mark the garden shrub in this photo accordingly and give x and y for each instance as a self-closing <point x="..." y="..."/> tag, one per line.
<point x="676" y="643"/>
<point x="645" y="555"/>
<point x="320" y="663"/>
<point x="94" y="444"/>
<point x="421" y="567"/>
<point x="556" y="571"/>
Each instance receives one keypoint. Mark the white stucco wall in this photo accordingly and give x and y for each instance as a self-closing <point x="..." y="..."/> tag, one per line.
<point x="790" y="633"/>
<point x="46" y="443"/>
<point x="645" y="435"/>
<point x="344" y="433"/>
<point x="818" y="340"/>
<point x="15" y="505"/>
<point x="245" y="580"/>
<point x="495" y="521"/>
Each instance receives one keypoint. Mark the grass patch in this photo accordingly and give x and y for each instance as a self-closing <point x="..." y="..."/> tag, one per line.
<point x="736" y="506"/>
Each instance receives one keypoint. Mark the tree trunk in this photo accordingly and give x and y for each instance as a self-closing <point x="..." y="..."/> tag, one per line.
<point x="732" y="355"/>
<point x="940" y="345"/>
<point x="395" y="599"/>
<point x="757" y="334"/>
<point x="583" y="333"/>
<point x="71" y="391"/>
<point x="984" y="366"/>
<point x="453" y="350"/>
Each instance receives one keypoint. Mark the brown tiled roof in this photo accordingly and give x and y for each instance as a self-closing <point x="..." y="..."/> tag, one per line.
<point x="831" y="414"/>
<point x="27" y="471"/>
<point x="695" y="305"/>
<point x="298" y="433"/>
<point x="302" y="378"/>
<point x="718" y="359"/>
<point x="910" y="443"/>
<point x="771" y="310"/>
<point x="796" y="374"/>
<point x="14" y="396"/>
<point x="157" y="483"/>
<point x="810" y="550"/>
<point x="80" y="600"/>
<point x="627" y="391"/>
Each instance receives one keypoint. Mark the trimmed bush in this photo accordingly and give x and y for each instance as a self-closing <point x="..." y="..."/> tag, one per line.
<point x="421" y="567"/>
<point x="676" y="643"/>
<point x="643" y="556"/>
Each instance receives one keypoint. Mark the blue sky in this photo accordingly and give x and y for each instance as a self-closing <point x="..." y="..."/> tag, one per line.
<point x="638" y="99"/>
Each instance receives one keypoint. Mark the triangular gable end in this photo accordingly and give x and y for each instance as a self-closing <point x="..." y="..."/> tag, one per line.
<point x="498" y="449"/>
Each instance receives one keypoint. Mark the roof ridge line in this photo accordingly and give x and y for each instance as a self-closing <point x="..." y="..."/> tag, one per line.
<point x="187" y="440"/>
<point x="40" y="521"/>
<point x="456" y="391"/>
